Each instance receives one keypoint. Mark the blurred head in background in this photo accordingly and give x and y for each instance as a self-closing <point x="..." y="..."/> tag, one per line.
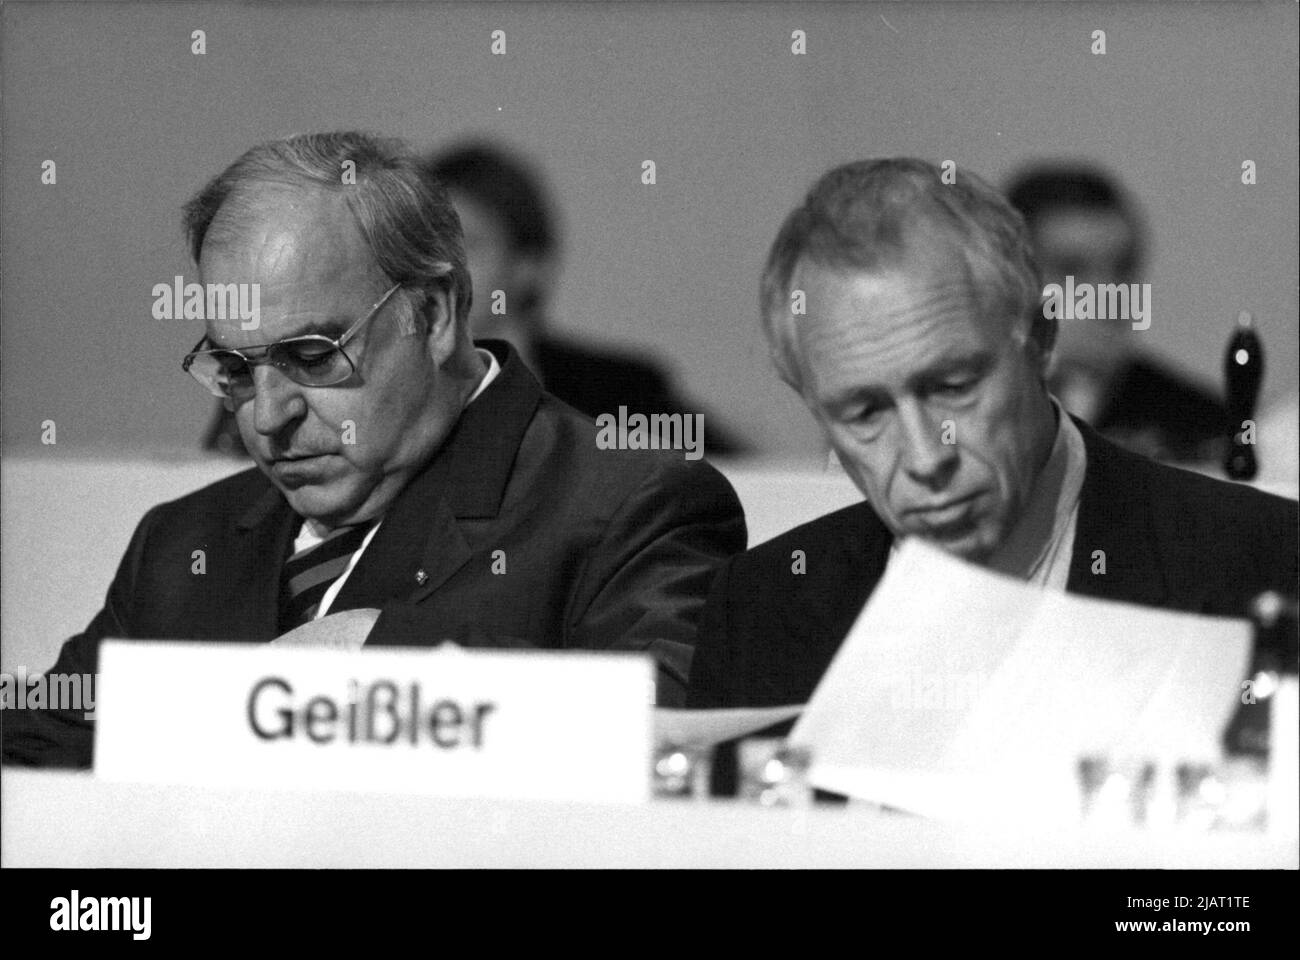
<point x="513" y="246"/>
<point x="1083" y="225"/>
<point x="510" y="238"/>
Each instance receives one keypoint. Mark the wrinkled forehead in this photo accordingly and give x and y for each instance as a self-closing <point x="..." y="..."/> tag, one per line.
<point x="304" y="252"/>
<point x="926" y="283"/>
<point x="882" y="326"/>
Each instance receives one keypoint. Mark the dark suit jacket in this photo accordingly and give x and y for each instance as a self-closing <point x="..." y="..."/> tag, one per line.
<point x="600" y="381"/>
<point x="1172" y="539"/>
<point x="603" y="550"/>
<point x="1155" y="410"/>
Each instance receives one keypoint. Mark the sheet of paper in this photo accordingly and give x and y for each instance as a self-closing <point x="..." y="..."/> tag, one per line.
<point x="705" y="728"/>
<point x="964" y="695"/>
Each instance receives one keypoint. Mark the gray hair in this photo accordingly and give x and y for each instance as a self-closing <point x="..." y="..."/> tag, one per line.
<point x="403" y="213"/>
<point x="870" y="214"/>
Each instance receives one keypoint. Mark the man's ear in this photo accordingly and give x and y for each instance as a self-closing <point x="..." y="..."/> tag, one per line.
<point x="441" y="325"/>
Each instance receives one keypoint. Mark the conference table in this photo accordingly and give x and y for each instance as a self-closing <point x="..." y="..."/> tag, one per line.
<point x="76" y="820"/>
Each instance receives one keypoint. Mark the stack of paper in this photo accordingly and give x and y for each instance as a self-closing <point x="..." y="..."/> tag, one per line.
<point x="964" y="695"/>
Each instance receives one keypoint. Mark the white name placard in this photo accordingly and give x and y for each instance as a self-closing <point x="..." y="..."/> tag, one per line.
<point x="446" y="721"/>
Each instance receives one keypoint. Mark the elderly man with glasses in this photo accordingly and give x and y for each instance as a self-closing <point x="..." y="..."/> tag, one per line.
<point x="411" y="486"/>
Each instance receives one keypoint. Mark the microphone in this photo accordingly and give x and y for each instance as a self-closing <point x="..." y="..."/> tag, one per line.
<point x="1243" y="370"/>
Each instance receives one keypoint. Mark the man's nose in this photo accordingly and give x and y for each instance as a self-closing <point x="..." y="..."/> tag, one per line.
<point x="925" y="456"/>
<point x="277" y="400"/>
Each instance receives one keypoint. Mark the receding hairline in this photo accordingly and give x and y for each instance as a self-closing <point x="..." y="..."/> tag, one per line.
<point x="256" y="202"/>
<point x="928" y="251"/>
<point x="931" y="264"/>
<point x="989" y="325"/>
<point x="927" y="248"/>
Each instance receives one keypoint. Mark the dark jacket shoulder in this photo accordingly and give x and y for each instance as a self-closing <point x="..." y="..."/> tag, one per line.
<point x="596" y="380"/>
<point x="1148" y="396"/>
<point x="1208" y="545"/>
<point x="777" y="613"/>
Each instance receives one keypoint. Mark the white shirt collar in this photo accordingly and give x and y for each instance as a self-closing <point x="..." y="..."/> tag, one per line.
<point x="494" y="368"/>
<point x="1038" y="548"/>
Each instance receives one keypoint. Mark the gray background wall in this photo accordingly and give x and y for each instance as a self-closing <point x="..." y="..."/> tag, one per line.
<point x="737" y="126"/>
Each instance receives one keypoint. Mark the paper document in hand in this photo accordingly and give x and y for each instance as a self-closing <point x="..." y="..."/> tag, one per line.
<point x="963" y="694"/>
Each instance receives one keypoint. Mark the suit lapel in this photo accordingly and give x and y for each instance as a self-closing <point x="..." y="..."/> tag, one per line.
<point x="417" y="549"/>
<point x="420" y="544"/>
<point x="1116" y="518"/>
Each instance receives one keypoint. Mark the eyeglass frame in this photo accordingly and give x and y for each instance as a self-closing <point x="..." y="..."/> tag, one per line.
<point x="335" y="343"/>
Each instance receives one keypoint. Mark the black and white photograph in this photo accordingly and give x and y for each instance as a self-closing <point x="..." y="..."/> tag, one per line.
<point x="483" y="438"/>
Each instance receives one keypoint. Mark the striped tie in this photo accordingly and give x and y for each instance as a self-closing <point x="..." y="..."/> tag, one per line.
<point x="308" y="574"/>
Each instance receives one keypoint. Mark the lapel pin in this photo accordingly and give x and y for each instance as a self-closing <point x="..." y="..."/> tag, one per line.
<point x="421" y="577"/>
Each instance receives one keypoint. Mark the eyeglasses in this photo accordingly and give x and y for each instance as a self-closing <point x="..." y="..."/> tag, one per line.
<point x="314" y="360"/>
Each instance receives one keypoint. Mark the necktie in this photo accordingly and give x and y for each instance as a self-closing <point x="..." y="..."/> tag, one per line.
<point x="308" y="574"/>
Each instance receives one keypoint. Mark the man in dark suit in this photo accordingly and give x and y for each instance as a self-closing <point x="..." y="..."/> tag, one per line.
<point x="514" y="248"/>
<point x="411" y="486"/>
<point x="907" y="312"/>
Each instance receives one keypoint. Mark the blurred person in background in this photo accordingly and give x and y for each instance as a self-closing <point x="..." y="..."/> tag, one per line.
<point x="1083" y="225"/>
<point x="513" y="246"/>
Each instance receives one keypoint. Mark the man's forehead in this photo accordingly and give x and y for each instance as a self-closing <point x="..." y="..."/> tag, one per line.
<point x="302" y="248"/>
<point x="880" y="326"/>
<point x="275" y="234"/>
<point x="924" y="287"/>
